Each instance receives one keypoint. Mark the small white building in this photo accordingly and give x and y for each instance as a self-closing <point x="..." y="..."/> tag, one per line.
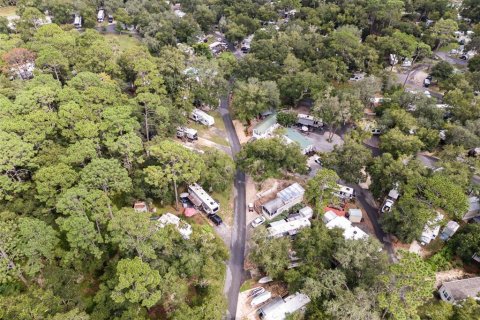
<point x="183" y="228"/>
<point x="140" y="206"/>
<point x="459" y="290"/>
<point x="265" y="128"/>
<point x="431" y="230"/>
<point x="279" y="308"/>
<point x="285" y="228"/>
<point x="285" y="200"/>
<point x="355" y="215"/>
<point x="349" y="232"/>
<point x="306" y="212"/>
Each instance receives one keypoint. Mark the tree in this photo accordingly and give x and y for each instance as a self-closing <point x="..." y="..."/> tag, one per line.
<point x="442" y="70"/>
<point x="320" y="189"/>
<point x="106" y="175"/>
<point x="266" y="158"/>
<point x="406" y="286"/>
<point x="407" y="218"/>
<point x="82" y="238"/>
<point x="133" y="232"/>
<point x="466" y="242"/>
<point x="268" y="253"/>
<point x="474" y="63"/>
<point x="26" y="246"/>
<point x="253" y="97"/>
<point x="349" y="160"/>
<point x="137" y="282"/>
<point x="30" y="20"/>
<point x="397" y="143"/>
<point x="54" y="61"/>
<point x="51" y="181"/>
<point x="443" y="31"/>
<point x="220" y="170"/>
<point x="442" y="192"/>
<point x="175" y="164"/>
<point x="287" y="119"/>
<point x="353" y="305"/>
<point x="337" y="110"/>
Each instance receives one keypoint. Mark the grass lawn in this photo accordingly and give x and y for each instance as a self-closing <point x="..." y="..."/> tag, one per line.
<point x="226" y="205"/>
<point x="247" y="285"/>
<point x="7" y="11"/>
<point x="123" y="41"/>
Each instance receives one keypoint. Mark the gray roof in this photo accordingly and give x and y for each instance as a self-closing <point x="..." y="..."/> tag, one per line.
<point x="462" y="289"/>
<point x="474" y="208"/>
<point x="273" y="205"/>
<point x="292" y="192"/>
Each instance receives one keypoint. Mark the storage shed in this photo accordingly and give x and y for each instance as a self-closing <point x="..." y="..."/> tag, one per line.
<point x="355" y="215"/>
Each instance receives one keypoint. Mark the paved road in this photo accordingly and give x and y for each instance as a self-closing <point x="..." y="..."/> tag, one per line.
<point x="235" y="271"/>
<point x="452" y="60"/>
<point x="415" y="86"/>
<point x="368" y="203"/>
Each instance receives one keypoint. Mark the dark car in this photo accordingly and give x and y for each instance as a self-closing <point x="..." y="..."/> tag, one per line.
<point x="110" y="18"/>
<point x="215" y="219"/>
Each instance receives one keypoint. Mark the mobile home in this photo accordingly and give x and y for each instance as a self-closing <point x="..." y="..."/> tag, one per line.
<point x="308" y="120"/>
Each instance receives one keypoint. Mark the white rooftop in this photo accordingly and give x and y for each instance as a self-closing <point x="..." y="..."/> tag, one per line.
<point x="279" y="308"/>
<point x="291" y="192"/>
<point x="431" y="229"/>
<point x="283" y="227"/>
<point x="350" y="232"/>
<point x="184" y="228"/>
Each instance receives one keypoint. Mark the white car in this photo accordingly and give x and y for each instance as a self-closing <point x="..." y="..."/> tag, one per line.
<point x="376" y="131"/>
<point x="387" y="207"/>
<point x="258" y="221"/>
<point x="317" y="159"/>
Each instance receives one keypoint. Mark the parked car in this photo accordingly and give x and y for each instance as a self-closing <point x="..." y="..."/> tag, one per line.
<point x="215" y="218"/>
<point x="426" y="83"/>
<point x="317" y="159"/>
<point x="376" y="131"/>
<point x="387" y="207"/>
<point x="430" y="77"/>
<point x="110" y="18"/>
<point x="258" y="221"/>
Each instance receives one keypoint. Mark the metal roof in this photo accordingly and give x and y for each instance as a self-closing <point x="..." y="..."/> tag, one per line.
<point x="292" y="192"/>
<point x="267" y="123"/>
<point x="297" y="137"/>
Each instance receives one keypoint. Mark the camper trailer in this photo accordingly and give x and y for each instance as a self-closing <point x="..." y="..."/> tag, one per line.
<point x="198" y="115"/>
<point x="307" y="120"/>
<point x="77" y="22"/>
<point x="101" y="15"/>
<point x="199" y="197"/>
<point x="188" y="133"/>
<point x="345" y="193"/>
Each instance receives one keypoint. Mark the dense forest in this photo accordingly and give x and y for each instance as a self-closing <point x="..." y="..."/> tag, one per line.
<point x="90" y="131"/>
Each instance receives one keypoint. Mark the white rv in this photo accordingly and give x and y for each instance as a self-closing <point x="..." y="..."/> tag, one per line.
<point x="77" y="22"/>
<point x="189" y="133"/>
<point x="307" y="120"/>
<point x="344" y="192"/>
<point x="202" y="117"/>
<point x="101" y="15"/>
<point x="199" y="196"/>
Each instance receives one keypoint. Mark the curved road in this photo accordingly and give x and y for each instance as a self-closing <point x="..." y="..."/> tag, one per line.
<point x="235" y="272"/>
